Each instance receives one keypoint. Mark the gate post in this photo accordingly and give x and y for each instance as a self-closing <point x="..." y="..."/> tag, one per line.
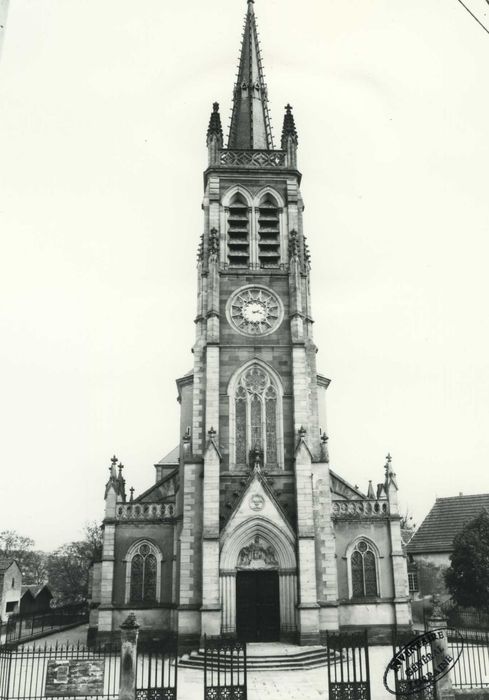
<point x="438" y="620"/>
<point x="129" y="646"/>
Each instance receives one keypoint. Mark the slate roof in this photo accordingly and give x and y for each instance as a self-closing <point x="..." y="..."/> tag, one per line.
<point x="445" y="520"/>
<point x="171" y="458"/>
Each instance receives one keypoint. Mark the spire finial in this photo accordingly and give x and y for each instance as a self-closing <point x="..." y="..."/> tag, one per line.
<point x="250" y="121"/>
<point x="114" y="460"/>
<point x="387" y="466"/>
<point x="288" y="129"/>
<point x="132" y="493"/>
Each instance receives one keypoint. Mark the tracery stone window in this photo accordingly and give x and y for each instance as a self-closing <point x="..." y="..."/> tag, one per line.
<point x="257" y="418"/>
<point x="143" y="573"/>
<point x="363" y="570"/>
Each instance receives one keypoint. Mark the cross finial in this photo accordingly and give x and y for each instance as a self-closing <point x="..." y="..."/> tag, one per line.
<point x="302" y="431"/>
<point x="120" y="466"/>
<point x="288" y="108"/>
<point x="212" y="433"/>
<point x="388" y="461"/>
<point x="132" y="493"/>
<point x="114" y="460"/>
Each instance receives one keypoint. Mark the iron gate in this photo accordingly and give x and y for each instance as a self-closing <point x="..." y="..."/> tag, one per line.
<point x="157" y="671"/>
<point x="409" y="687"/>
<point x="348" y="666"/>
<point x="224" y="669"/>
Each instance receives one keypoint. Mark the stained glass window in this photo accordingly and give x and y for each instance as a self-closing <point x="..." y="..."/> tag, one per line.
<point x="256" y="412"/>
<point x="143" y="575"/>
<point x="357" y="574"/>
<point x="370" y="573"/>
<point x="363" y="571"/>
<point x="137" y="578"/>
<point x="150" y="577"/>
<point x="271" y="425"/>
<point x="241" y="427"/>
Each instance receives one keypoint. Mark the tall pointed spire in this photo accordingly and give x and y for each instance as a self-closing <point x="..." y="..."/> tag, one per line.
<point x="250" y="120"/>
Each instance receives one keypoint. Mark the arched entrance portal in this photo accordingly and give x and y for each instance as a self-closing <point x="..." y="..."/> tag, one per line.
<point x="258" y="582"/>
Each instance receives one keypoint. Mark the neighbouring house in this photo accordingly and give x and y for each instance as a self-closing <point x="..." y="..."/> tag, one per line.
<point x="35" y="599"/>
<point x="430" y="547"/>
<point x="10" y="588"/>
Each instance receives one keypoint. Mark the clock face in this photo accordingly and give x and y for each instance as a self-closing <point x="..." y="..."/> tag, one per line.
<point x="254" y="311"/>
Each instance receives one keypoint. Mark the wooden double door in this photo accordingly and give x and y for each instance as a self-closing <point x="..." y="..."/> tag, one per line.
<point x="257" y="606"/>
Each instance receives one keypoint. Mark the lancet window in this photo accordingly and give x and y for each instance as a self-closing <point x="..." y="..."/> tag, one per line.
<point x="363" y="570"/>
<point x="143" y="580"/>
<point x="257" y="417"/>
<point x="238" y="226"/>
<point x="268" y="232"/>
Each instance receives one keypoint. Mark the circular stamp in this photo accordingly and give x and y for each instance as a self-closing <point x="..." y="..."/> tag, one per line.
<point x="422" y="662"/>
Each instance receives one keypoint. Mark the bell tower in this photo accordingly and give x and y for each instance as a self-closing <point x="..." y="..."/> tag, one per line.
<point x="255" y="394"/>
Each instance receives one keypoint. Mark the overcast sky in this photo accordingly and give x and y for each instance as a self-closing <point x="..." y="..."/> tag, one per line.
<point x="104" y="106"/>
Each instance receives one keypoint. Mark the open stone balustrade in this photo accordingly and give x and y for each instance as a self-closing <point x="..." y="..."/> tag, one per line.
<point x="257" y="159"/>
<point x="360" y="509"/>
<point x="145" y="511"/>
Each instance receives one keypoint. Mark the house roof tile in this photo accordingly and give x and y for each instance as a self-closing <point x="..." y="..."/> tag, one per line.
<point x="445" y="520"/>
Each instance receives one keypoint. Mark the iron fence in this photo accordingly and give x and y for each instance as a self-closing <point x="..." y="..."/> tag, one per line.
<point x="38" y="672"/>
<point x="225" y="669"/>
<point x="157" y="671"/>
<point x="472" y="668"/>
<point x="20" y="628"/>
<point x="348" y="665"/>
<point x="413" y="686"/>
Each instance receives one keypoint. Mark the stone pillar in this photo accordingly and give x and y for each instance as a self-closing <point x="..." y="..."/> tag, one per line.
<point x="288" y="600"/>
<point x="129" y="645"/>
<point x="228" y="602"/>
<point x="189" y="593"/>
<point x="402" y="608"/>
<point x="308" y="608"/>
<point x="438" y="621"/>
<point x="326" y="568"/>
<point x="211" y="607"/>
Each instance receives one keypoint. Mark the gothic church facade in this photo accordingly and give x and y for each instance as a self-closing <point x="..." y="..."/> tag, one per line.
<point x="247" y="530"/>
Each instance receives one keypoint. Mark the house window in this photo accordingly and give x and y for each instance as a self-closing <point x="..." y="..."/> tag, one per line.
<point x="143" y="576"/>
<point x="13" y="583"/>
<point x="11" y="606"/>
<point x="363" y="571"/>
<point x="413" y="581"/>
<point x="256" y="416"/>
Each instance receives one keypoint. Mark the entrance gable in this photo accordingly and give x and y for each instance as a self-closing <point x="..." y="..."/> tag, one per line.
<point x="257" y="504"/>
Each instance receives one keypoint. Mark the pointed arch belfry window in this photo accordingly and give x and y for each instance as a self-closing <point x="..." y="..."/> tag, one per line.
<point x="238" y="230"/>
<point x="268" y="232"/>
<point x="255" y="417"/>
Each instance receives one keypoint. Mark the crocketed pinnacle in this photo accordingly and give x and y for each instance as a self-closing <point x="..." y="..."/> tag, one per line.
<point x="288" y="129"/>
<point x="250" y="120"/>
<point x="215" y="127"/>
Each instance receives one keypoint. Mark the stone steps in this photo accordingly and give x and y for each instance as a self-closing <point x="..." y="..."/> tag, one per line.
<point x="286" y="660"/>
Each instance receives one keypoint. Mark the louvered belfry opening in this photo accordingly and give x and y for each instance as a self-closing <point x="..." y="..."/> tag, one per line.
<point x="238" y="233"/>
<point x="268" y="233"/>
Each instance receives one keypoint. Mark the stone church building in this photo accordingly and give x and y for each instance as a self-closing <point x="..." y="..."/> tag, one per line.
<point x="247" y="530"/>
